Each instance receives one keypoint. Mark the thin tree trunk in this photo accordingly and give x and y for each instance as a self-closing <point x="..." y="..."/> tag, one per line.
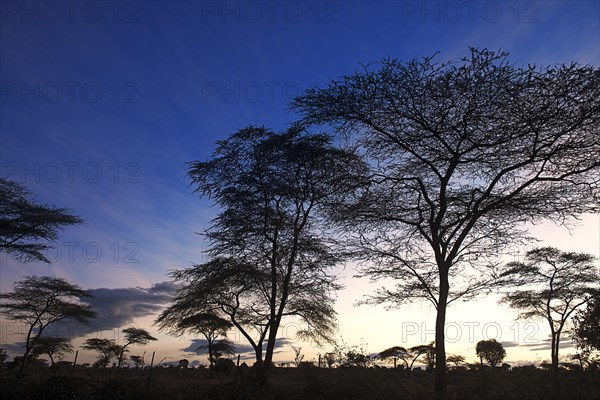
<point x="440" y="348"/>
<point x="211" y="359"/>
<point x="483" y="377"/>
<point x="555" y="347"/>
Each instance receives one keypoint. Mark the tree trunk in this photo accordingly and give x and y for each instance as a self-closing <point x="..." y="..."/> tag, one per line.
<point x="440" y="348"/>
<point x="29" y="342"/>
<point x="266" y="367"/>
<point x="555" y="344"/>
<point x="211" y="364"/>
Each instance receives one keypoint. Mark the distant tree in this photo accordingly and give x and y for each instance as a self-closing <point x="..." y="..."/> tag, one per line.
<point x="411" y="355"/>
<point x="462" y="156"/>
<point x="138" y="361"/>
<point x="52" y="347"/>
<point x="3" y="355"/>
<point x="330" y="359"/>
<point x="491" y="351"/>
<point x="209" y="325"/>
<point x="428" y="351"/>
<point x="395" y="353"/>
<point x="40" y="301"/>
<point x="456" y="359"/>
<point x="552" y="285"/>
<point x="183" y="363"/>
<point x="137" y="336"/>
<point x="26" y="225"/>
<point x="354" y="358"/>
<point x="224" y="366"/>
<point x="298" y="357"/>
<point x="107" y="350"/>
<point x="269" y="238"/>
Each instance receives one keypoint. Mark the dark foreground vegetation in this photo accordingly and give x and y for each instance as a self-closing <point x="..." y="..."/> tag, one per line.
<point x="297" y="383"/>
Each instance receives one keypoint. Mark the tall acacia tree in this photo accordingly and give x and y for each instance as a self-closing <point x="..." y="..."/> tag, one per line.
<point x="40" y="301"/>
<point x="25" y="226"/>
<point x="462" y="155"/>
<point x="270" y="188"/>
<point x="552" y="285"/>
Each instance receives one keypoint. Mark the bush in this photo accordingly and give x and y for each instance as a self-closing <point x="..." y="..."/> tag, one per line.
<point x="224" y="366"/>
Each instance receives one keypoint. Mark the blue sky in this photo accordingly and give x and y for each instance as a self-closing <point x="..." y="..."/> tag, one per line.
<point x="103" y="103"/>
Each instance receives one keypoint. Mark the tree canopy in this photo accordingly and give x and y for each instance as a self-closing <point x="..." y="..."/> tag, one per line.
<point x="137" y="336"/>
<point x="271" y="255"/>
<point x="25" y="226"/>
<point x="491" y="351"/>
<point x="462" y="155"/>
<point x="107" y="350"/>
<point x="40" y="301"/>
<point x="552" y="285"/>
<point x="587" y="325"/>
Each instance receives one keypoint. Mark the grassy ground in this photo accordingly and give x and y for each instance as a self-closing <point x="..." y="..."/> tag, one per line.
<point x="292" y="384"/>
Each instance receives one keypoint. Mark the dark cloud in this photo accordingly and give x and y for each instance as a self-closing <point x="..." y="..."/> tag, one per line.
<point x="245" y="350"/>
<point x="13" y="349"/>
<point x="546" y="344"/>
<point x="507" y="345"/>
<point x="117" y="308"/>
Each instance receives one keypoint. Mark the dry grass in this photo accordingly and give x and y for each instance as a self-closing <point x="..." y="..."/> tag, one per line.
<point x="293" y="384"/>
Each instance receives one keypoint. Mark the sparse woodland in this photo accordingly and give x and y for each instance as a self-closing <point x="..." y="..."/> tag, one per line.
<point x="423" y="172"/>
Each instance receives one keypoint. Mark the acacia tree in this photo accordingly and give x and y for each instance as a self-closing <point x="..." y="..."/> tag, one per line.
<point x="138" y="361"/>
<point x="462" y="156"/>
<point x="410" y="356"/>
<point x="134" y="336"/>
<point x="25" y="226"/>
<point x="53" y="347"/>
<point x="456" y="359"/>
<point x="107" y="350"/>
<point x="491" y="351"/>
<point x="40" y="301"/>
<point x="222" y="287"/>
<point x="552" y="285"/>
<point x="209" y="325"/>
<point x="270" y="188"/>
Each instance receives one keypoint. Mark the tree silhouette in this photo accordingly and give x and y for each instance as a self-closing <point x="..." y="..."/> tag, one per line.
<point x="298" y="357"/>
<point x="222" y="286"/>
<point x="53" y="347"/>
<point x="40" y="301"/>
<point x="552" y="285"/>
<point x="26" y="225"/>
<point x="211" y="326"/>
<point x="134" y="336"/>
<point x="491" y="351"/>
<point x="271" y="187"/>
<point x="587" y="325"/>
<point x="462" y="155"/>
<point x="107" y="350"/>
<point x="395" y="353"/>
<point x="411" y="355"/>
<point x="138" y="361"/>
<point x="456" y="359"/>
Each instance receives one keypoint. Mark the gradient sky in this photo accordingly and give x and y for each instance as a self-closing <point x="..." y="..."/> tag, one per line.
<point x="103" y="103"/>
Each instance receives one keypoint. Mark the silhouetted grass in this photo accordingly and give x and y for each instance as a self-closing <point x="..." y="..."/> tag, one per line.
<point x="297" y="384"/>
